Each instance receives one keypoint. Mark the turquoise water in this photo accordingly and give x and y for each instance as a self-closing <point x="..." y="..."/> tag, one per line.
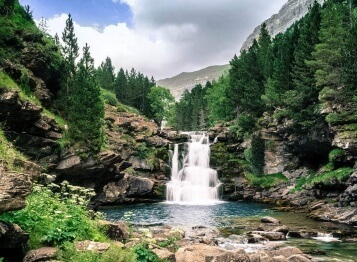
<point x="186" y="215"/>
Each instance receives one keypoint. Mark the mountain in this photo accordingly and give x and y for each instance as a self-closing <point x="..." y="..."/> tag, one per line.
<point x="292" y="11"/>
<point x="178" y="84"/>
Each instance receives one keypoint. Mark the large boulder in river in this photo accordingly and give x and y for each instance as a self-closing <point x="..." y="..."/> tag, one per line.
<point x="127" y="190"/>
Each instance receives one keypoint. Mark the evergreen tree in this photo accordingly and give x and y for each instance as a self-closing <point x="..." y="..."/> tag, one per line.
<point x="69" y="47"/>
<point x="121" y="86"/>
<point x="86" y="112"/>
<point x="106" y="76"/>
<point x="327" y="55"/>
<point x="265" y="58"/>
<point x="302" y="100"/>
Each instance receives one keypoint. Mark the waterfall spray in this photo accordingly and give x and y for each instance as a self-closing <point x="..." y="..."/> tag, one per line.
<point x="196" y="182"/>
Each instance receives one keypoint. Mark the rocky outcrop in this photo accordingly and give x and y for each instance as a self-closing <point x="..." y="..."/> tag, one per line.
<point x="32" y="132"/>
<point x="14" y="188"/>
<point x="292" y="11"/>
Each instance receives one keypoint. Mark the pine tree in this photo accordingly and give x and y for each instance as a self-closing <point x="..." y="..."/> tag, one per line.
<point x="86" y="111"/>
<point x="302" y="100"/>
<point x="70" y="47"/>
<point x="265" y="59"/>
<point x="105" y="74"/>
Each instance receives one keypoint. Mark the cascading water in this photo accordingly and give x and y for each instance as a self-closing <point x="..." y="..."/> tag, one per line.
<point x="196" y="183"/>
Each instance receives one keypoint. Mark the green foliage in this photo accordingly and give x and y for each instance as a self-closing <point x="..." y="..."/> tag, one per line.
<point x="8" y="154"/>
<point x="105" y="75"/>
<point x="191" y="112"/>
<point x="266" y="181"/>
<point x="69" y="253"/>
<point x="170" y="243"/>
<point x="127" y="109"/>
<point x="257" y="154"/>
<point x="335" y="154"/>
<point x="52" y="219"/>
<point x="86" y="110"/>
<point x="327" y="178"/>
<point x="144" y="254"/>
<point x="219" y="105"/>
<point x="132" y="89"/>
<point x="160" y="100"/>
<point x="109" y="97"/>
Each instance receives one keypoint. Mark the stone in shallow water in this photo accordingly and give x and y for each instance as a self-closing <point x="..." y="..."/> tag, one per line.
<point x="271" y="220"/>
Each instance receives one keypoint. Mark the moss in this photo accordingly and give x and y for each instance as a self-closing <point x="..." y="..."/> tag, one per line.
<point x="266" y="181"/>
<point x="335" y="154"/>
<point x="338" y="174"/>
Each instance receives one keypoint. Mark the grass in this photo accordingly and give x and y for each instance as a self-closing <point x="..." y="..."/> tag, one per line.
<point x="8" y="154"/>
<point x="113" y="254"/>
<point x="127" y="109"/>
<point x="266" y="181"/>
<point x="326" y="178"/>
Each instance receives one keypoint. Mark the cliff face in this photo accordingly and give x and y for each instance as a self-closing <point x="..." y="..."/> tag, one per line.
<point x="292" y="11"/>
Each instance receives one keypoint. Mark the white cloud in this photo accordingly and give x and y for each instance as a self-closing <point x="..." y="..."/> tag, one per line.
<point x="168" y="37"/>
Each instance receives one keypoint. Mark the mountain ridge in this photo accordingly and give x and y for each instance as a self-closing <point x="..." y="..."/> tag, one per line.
<point x="187" y="80"/>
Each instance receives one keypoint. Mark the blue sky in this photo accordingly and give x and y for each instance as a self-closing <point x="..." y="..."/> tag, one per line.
<point x="159" y="38"/>
<point x="86" y="12"/>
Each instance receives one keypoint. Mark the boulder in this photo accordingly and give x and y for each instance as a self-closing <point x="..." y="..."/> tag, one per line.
<point x="272" y="236"/>
<point x="118" y="231"/>
<point x="270" y="220"/>
<point x="205" y="253"/>
<point x="14" y="188"/>
<point x="164" y="254"/>
<point x="92" y="246"/>
<point x="12" y="236"/>
<point x="286" y="252"/>
<point x="41" y="254"/>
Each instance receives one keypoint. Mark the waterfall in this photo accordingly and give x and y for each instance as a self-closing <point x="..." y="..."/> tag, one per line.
<point x="196" y="183"/>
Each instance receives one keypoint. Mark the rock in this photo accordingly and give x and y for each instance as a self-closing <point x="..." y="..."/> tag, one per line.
<point x="14" y="188"/>
<point x="12" y="236"/>
<point x="271" y="220"/>
<point x="92" y="246"/>
<point x="202" y="252"/>
<point x="256" y="238"/>
<point x="41" y="254"/>
<point x="298" y="258"/>
<point x="273" y="236"/>
<point x="68" y="163"/>
<point x="280" y="259"/>
<point x="292" y="11"/>
<point x="286" y="252"/>
<point x="282" y="229"/>
<point x="140" y="164"/>
<point x="118" y="231"/>
<point x="164" y="254"/>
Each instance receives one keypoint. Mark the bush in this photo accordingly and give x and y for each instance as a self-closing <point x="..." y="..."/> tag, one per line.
<point x="326" y="178"/>
<point x="335" y="155"/>
<point x="113" y="254"/>
<point x="257" y="155"/>
<point x="266" y="181"/>
<point x="52" y="220"/>
<point x="109" y="97"/>
<point x="144" y="254"/>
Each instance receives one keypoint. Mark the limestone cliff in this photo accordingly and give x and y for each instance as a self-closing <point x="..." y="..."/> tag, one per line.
<point x="292" y="11"/>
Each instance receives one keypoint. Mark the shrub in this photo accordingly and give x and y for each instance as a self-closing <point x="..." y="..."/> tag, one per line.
<point x="266" y="181"/>
<point x="51" y="219"/>
<point x="338" y="174"/>
<point x="109" y="97"/>
<point x="144" y="254"/>
<point x="113" y="254"/>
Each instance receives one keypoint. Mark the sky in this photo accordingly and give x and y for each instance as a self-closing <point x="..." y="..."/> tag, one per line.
<point x="159" y="38"/>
